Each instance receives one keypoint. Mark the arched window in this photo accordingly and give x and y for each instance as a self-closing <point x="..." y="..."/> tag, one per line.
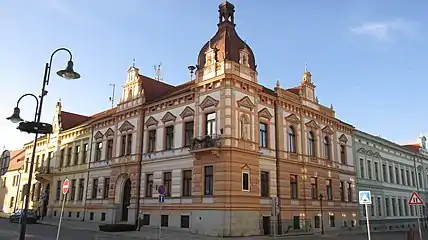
<point x="291" y="140"/>
<point x="326" y="147"/>
<point x="311" y="144"/>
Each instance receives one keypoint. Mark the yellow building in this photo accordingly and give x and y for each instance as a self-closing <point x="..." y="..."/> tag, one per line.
<point x="11" y="184"/>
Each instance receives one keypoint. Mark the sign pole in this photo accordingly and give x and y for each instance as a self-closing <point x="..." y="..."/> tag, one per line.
<point x="60" y="216"/>
<point x="368" y="222"/>
<point x="160" y="213"/>
<point x="162" y="192"/>
<point x="419" y="224"/>
<point x="416" y="200"/>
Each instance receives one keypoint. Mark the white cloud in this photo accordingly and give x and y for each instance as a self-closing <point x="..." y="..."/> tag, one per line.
<point x="387" y="30"/>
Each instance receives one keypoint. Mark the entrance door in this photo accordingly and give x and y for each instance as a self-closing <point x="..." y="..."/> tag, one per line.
<point x="45" y="198"/>
<point x="266" y="225"/>
<point x="126" y="199"/>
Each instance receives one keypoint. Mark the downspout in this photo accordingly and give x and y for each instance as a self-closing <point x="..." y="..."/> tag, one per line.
<point x="279" y="225"/>
<point x="140" y="162"/>
<point x="89" y="169"/>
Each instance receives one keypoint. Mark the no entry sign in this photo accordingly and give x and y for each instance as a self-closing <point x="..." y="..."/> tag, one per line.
<point x="65" y="186"/>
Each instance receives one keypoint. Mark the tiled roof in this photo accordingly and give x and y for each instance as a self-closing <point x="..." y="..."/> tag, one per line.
<point x="70" y="120"/>
<point x="412" y="147"/>
<point x="16" y="159"/>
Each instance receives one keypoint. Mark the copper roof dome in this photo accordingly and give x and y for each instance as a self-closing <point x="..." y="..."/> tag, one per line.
<point x="226" y="41"/>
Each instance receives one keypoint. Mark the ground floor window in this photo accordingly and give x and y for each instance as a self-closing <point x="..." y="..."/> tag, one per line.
<point x="296" y="222"/>
<point x="164" y="220"/>
<point x="317" y="221"/>
<point x="103" y="216"/>
<point x="146" y="219"/>
<point x="185" y="221"/>
<point x="331" y="221"/>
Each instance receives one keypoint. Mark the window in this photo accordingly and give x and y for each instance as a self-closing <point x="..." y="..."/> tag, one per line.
<point x="106" y="187"/>
<point x="187" y="183"/>
<point x="314" y="187"/>
<point x="379" y="207"/>
<point x="384" y="173"/>
<point x="329" y="189"/>
<point x="210" y="123"/>
<point x="91" y="216"/>
<point x="331" y="221"/>
<point x="408" y="178"/>
<point x="208" y="180"/>
<point x="311" y="144"/>
<point x="12" y="202"/>
<point x="406" y="210"/>
<point x="391" y="174"/>
<point x="264" y="184"/>
<point x="185" y="221"/>
<point x="61" y="158"/>
<point x="98" y="151"/>
<point x="400" y="210"/>
<point x="43" y="159"/>
<point x="85" y="152"/>
<point x="37" y="161"/>
<point x="122" y="145"/>
<point x="376" y="169"/>
<point x="387" y="208"/>
<point x="149" y="185"/>
<point x="76" y="155"/>
<point x="369" y="169"/>
<point x="73" y="189"/>
<point x="403" y="181"/>
<point x="342" y="191"/>
<point x="413" y="179"/>
<point x="152" y="141"/>
<point x="349" y="191"/>
<point x="372" y="208"/>
<point x="411" y="210"/>
<point x="263" y="135"/>
<point x="293" y="187"/>
<point x="245" y="181"/>
<point x="343" y="154"/>
<point x="291" y="140"/>
<point x="109" y="153"/>
<point x="169" y="137"/>
<point x="69" y="156"/>
<point x="326" y="148"/>
<point x="146" y="219"/>
<point x="58" y="190"/>
<point x="188" y="133"/>
<point x="397" y="176"/>
<point x="129" y="144"/>
<point x="167" y="183"/>
<point x="81" y="189"/>
<point x="94" y="188"/>
<point x="394" y="211"/>
<point x="50" y="154"/>
<point x="362" y="167"/>
<point x="164" y="220"/>
<point x="419" y="178"/>
<point x="103" y="216"/>
<point x="317" y="221"/>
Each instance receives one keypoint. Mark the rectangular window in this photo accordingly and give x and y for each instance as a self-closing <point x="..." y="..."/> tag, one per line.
<point x="397" y="176"/>
<point x="387" y="208"/>
<point x="109" y="153"/>
<point x="146" y="219"/>
<point x="369" y="169"/>
<point x="94" y="188"/>
<point x="103" y="216"/>
<point x="185" y="221"/>
<point x="403" y="181"/>
<point x="376" y="169"/>
<point x="43" y="160"/>
<point x="61" y="158"/>
<point x="391" y="174"/>
<point x="413" y="179"/>
<point x="129" y="144"/>
<point x="420" y="179"/>
<point x="342" y="191"/>
<point x="122" y="145"/>
<point x="384" y="172"/>
<point x="58" y="190"/>
<point x="264" y="184"/>
<point x="331" y="221"/>
<point x="188" y="133"/>
<point x="164" y="220"/>
<point x="406" y="210"/>
<point x="210" y="124"/>
<point x="152" y="141"/>
<point x="76" y="154"/>
<point x="85" y="153"/>
<point x="317" y="221"/>
<point x="343" y="154"/>
<point x="379" y="207"/>
<point x="73" y="189"/>
<point x="106" y="187"/>
<point x="149" y="185"/>
<point x="98" y="151"/>
<point x="361" y="168"/>
<point x="393" y="204"/>
<point x="329" y="189"/>
<point x="245" y="181"/>
<point x="208" y="180"/>
<point x="349" y="192"/>
<point x="81" y="189"/>
<point x="169" y="138"/>
<point x="400" y="210"/>
<point x="69" y="150"/>
<point x="293" y="187"/>
<point x="167" y="177"/>
<point x="314" y="187"/>
<point x="408" y="178"/>
<point x="263" y="135"/>
<point x="187" y="183"/>
<point x="372" y="208"/>
<point x="36" y="165"/>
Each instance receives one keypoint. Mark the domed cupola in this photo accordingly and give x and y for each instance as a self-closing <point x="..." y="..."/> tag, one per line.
<point x="226" y="44"/>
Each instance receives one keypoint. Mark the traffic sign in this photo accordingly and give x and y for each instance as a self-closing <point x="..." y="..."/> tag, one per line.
<point x="4" y="162"/>
<point x="161" y="189"/>
<point x="415" y="199"/>
<point x="161" y="198"/>
<point x="365" y="197"/>
<point x="65" y="186"/>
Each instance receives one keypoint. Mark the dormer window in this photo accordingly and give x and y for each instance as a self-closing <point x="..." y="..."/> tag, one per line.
<point x="243" y="58"/>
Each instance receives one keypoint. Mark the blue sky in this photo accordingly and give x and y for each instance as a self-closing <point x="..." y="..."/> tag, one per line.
<point x="366" y="56"/>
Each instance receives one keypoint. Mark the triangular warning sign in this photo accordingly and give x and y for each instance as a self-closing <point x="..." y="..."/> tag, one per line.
<point x="415" y="199"/>
<point x="364" y="198"/>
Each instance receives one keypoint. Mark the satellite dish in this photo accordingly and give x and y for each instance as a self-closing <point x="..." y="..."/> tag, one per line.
<point x="4" y="162"/>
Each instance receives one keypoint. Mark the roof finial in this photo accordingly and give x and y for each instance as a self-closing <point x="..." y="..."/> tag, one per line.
<point x="306" y="67"/>
<point x="277" y="83"/>
<point x="133" y="62"/>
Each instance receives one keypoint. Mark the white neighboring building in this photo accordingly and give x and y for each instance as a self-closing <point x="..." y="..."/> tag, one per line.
<point x="388" y="170"/>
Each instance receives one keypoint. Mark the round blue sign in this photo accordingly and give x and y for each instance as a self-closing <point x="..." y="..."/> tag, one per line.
<point x="161" y="189"/>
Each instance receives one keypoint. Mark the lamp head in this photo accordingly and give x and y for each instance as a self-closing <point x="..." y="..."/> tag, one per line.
<point x="15" y="118"/>
<point x="68" y="72"/>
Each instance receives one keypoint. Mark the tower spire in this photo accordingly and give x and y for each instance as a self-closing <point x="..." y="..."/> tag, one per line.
<point x="226" y="16"/>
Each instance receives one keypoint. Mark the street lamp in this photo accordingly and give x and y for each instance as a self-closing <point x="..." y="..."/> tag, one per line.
<point x="320" y="197"/>
<point x="36" y="126"/>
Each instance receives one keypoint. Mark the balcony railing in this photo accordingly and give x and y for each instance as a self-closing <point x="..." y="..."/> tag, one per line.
<point x="44" y="170"/>
<point x="204" y="142"/>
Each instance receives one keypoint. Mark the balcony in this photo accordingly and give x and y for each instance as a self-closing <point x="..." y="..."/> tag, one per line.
<point x="43" y="173"/>
<point x="205" y="143"/>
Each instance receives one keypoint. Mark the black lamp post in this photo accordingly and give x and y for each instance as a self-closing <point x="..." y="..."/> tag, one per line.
<point x="320" y="197"/>
<point x="37" y="127"/>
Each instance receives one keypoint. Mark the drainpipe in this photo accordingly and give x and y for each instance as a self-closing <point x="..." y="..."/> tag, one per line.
<point x="89" y="169"/>
<point x="140" y="162"/>
<point x="17" y="190"/>
<point x="279" y="225"/>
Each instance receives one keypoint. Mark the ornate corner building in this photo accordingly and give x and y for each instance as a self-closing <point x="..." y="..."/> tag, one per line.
<point x="223" y="145"/>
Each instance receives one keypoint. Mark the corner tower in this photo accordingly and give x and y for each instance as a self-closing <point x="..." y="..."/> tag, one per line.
<point x="226" y="52"/>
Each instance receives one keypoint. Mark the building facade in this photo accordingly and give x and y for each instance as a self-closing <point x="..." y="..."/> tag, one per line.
<point x="391" y="172"/>
<point x="11" y="184"/>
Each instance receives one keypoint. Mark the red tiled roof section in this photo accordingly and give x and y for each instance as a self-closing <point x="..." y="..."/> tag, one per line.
<point x="182" y="88"/>
<point x="295" y="90"/>
<point x="154" y="89"/>
<point x="412" y="147"/>
<point x="16" y="159"/>
<point x="70" y="120"/>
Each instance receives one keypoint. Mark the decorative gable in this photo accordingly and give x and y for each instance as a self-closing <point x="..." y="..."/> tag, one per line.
<point x="109" y="133"/>
<point x="362" y="150"/>
<point x="187" y="112"/>
<point x="126" y="126"/>
<point x="208" y="102"/>
<point x="98" y="135"/>
<point x="264" y="113"/>
<point x="246" y="102"/>
<point x="312" y="124"/>
<point x="343" y="138"/>
<point x="151" y="121"/>
<point x="292" y="118"/>
<point x="327" y="130"/>
<point x="168" y="117"/>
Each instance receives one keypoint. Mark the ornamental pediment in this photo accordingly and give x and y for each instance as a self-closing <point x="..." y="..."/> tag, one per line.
<point x="151" y="122"/>
<point x="168" y="117"/>
<point x="292" y="118"/>
<point x="98" y="135"/>
<point x="264" y="113"/>
<point x="109" y="133"/>
<point x="187" y="112"/>
<point x="208" y="102"/>
<point x="246" y="102"/>
<point x="126" y="126"/>
<point x="327" y="130"/>
<point x="343" y="138"/>
<point x="312" y="124"/>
